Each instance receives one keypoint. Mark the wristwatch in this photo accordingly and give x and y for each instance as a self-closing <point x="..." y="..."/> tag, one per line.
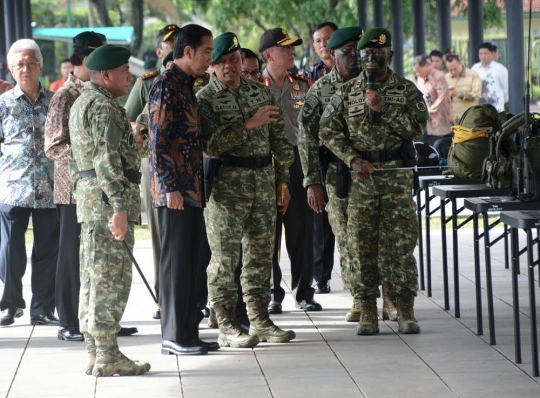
<point x="384" y="109"/>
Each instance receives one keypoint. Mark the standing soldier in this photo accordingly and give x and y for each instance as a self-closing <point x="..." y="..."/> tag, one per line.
<point x="342" y="47"/>
<point x="371" y="130"/>
<point x="290" y="91"/>
<point x="243" y="126"/>
<point x="58" y="148"/>
<point x="104" y="170"/>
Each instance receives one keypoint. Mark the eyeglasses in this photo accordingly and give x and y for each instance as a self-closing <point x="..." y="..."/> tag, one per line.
<point x="29" y="65"/>
<point x="255" y="74"/>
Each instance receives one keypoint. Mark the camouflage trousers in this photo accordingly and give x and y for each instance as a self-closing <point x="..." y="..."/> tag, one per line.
<point x="337" y="216"/>
<point x="106" y="272"/>
<point x="382" y="232"/>
<point x="241" y="213"/>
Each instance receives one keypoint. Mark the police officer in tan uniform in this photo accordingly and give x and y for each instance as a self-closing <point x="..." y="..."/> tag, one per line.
<point x="290" y="91"/>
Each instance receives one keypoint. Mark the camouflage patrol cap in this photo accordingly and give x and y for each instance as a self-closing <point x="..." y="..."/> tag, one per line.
<point x="108" y="57"/>
<point x="167" y="33"/>
<point x="168" y="58"/>
<point x="88" y="41"/>
<point x="277" y="37"/>
<point x="224" y="44"/>
<point x="375" y="38"/>
<point x="343" y="36"/>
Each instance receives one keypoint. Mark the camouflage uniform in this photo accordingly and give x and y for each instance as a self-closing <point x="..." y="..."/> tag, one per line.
<point x="382" y="227"/>
<point x="242" y="207"/>
<point x="308" y="147"/>
<point x="101" y="141"/>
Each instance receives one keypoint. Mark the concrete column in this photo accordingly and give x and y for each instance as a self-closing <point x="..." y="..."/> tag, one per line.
<point x="396" y="7"/>
<point x="516" y="55"/>
<point x="476" y="28"/>
<point x="419" y="32"/>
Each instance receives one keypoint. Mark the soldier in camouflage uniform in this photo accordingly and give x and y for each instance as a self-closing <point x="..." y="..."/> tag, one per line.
<point x="244" y="127"/>
<point x="103" y="169"/>
<point x="342" y="44"/>
<point x="369" y="130"/>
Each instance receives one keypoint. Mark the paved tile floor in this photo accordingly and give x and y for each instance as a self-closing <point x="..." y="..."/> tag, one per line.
<point x="327" y="359"/>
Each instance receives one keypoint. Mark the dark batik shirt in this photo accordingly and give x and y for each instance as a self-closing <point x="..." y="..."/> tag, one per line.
<point x="318" y="71"/>
<point x="175" y="139"/>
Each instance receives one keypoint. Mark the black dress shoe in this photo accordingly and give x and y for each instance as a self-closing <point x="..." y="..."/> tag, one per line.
<point x="322" y="288"/>
<point x="176" y="348"/>
<point x="309" y="305"/>
<point x="207" y="346"/>
<point x="206" y="312"/>
<point x="9" y="315"/>
<point x="275" y="308"/>
<point x="127" y="331"/>
<point x="157" y="315"/>
<point x="44" y="319"/>
<point x="70" y="335"/>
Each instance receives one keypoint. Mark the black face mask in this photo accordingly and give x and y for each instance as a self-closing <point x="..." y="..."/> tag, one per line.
<point x="375" y="61"/>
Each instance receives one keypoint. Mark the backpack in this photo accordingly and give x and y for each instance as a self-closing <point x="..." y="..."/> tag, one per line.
<point x="502" y="168"/>
<point x="470" y="144"/>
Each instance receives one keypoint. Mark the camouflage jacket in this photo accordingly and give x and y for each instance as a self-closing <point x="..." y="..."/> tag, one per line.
<point x="345" y="128"/>
<point x="175" y="140"/>
<point x="317" y="98"/>
<point x="101" y="140"/>
<point x="223" y="113"/>
<point x="57" y="141"/>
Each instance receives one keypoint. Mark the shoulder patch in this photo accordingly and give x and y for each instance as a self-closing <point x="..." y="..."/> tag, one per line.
<point x="149" y="75"/>
<point x="296" y="76"/>
<point x="309" y="106"/>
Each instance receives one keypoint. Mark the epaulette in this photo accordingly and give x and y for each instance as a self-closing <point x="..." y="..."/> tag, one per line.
<point x="300" y="77"/>
<point x="149" y="74"/>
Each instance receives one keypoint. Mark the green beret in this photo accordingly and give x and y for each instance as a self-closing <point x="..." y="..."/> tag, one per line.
<point x="150" y="64"/>
<point x="224" y="44"/>
<point x="343" y="36"/>
<point x="375" y="38"/>
<point x="108" y="57"/>
<point x="168" y="58"/>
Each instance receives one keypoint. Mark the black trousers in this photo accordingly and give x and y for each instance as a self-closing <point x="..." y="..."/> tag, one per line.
<point x="185" y="254"/>
<point x="14" y="223"/>
<point x="68" y="282"/>
<point x="298" y="222"/>
<point x="324" y="242"/>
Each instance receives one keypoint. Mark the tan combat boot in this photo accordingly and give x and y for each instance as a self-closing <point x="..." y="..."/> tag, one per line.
<point x="353" y="315"/>
<point x="91" y="348"/>
<point x="389" y="303"/>
<point x="262" y="326"/>
<point x="231" y="333"/>
<point x="111" y="362"/>
<point x="406" y="320"/>
<point x="369" y="320"/>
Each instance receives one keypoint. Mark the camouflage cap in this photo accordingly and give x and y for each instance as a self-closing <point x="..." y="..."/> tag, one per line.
<point x="88" y="41"/>
<point x="167" y="32"/>
<point x="277" y="37"/>
<point x="344" y="35"/>
<point x="375" y="38"/>
<point x="108" y="57"/>
<point x="168" y="58"/>
<point x="224" y="44"/>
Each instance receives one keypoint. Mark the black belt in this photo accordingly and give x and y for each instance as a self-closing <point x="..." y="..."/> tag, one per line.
<point x="246" y="162"/>
<point x="382" y="156"/>
<point x="132" y="175"/>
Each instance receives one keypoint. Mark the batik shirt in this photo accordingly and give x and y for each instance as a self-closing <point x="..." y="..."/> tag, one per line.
<point x="494" y="84"/>
<point x="26" y="174"/>
<point x="57" y="141"/>
<point x="175" y="139"/>
<point x="318" y="71"/>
